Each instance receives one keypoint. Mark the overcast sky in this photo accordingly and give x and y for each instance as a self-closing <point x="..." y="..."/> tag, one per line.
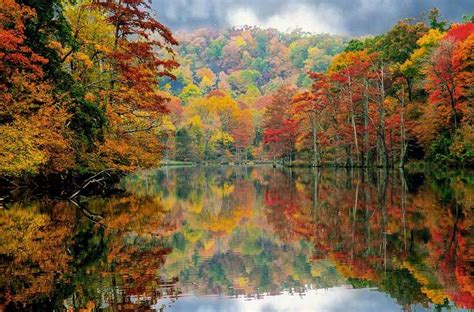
<point x="348" y="17"/>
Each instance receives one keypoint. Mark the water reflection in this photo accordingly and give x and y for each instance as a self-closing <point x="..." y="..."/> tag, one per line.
<point x="246" y="239"/>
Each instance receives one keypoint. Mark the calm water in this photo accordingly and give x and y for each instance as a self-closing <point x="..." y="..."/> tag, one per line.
<point x="246" y="239"/>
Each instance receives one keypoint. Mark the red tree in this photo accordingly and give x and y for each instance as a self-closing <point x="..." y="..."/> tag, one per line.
<point x="279" y="128"/>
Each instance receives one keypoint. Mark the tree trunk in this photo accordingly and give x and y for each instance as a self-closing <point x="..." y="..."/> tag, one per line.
<point x="403" y="146"/>
<point x="383" y="146"/>
<point x="356" y="143"/>
<point x="116" y="40"/>
<point x="366" y="125"/>
<point x="316" y="156"/>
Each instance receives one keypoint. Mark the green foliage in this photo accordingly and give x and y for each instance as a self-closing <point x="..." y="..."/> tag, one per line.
<point x="402" y="285"/>
<point x="434" y="22"/>
<point x="183" y="145"/>
<point x="214" y="50"/>
<point x="468" y="18"/>
<point x="190" y="91"/>
<point x="88" y="118"/>
<point x="355" y="45"/>
<point x="398" y="43"/>
<point x="50" y="24"/>
<point x="298" y="53"/>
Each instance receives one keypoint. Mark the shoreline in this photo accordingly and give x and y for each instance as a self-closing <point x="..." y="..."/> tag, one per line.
<point x="66" y="184"/>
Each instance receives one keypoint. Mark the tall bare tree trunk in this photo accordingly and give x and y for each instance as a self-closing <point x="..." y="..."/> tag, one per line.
<point x="383" y="145"/>
<point x="403" y="146"/>
<point x="316" y="156"/>
<point x="116" y="40"/>
<point x="366" y="125"/>
<point x="354" y="129"/>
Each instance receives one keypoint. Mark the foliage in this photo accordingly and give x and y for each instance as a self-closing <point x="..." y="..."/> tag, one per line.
<point x="108" y="73"/>
<point x="78" y="85"/>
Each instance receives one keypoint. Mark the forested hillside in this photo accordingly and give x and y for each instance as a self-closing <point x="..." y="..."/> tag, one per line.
<point x="88" y="85"/>
<point x="226" y="81"/>
<point x="325" y="100"/>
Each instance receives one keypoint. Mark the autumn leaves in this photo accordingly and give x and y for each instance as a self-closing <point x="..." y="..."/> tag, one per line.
<point x="400" y="96"/>
<point x="95" y="85"/>
<point x="79" y="85"/>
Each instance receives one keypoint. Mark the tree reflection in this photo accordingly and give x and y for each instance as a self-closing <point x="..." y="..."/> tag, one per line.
<point x="244" y="231"/>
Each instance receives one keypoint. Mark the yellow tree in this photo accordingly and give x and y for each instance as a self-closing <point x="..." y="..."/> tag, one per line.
<point x="207" y="78"/>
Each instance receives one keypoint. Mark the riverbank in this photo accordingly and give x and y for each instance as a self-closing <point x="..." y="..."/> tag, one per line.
<point x="412" y="165"/>
<point x="60" y="185"/>
<point x="74" y="183"/>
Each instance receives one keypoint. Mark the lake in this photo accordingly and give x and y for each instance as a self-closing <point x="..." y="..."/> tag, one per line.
<point x="246" y="239"/>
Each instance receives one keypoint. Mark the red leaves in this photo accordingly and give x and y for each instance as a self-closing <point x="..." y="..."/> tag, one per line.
<point x="19" y="65"/>
<point x="460" y="32"/>
<point x="279" y="127"/>
<point x="133" y="17"/>
<point x="136" y="59"/>
<point x="446" y="76"/>
<point x="243" y="130"/>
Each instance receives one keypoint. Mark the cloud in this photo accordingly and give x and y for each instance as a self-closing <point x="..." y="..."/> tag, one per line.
<point x="243" y="16"/>
<point x="320" y="19"/>
<point x="353" y="17"/>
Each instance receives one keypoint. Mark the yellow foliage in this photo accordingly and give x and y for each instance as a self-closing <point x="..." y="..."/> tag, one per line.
<point x="240" y="41"/>
<point x="431" y="38"/>
<point x="129" y="152"/>
<point x="35" y="244"/>
<point x="29" y="144"/>
<point x="195" y="121"/>
<point x="300" y="187"/>
<point x="196" y="206"/>
<point x="222" y="138"/>
<point x="192" y="235"/>
<point x="425" y="43"/>
<point x="345" y="59"/>
<point x="463" y="143"/>
<point x="83" y="59"/>
<point x="19" y="151"/>
<point x="207" y="77"/>
<point x="436" y="295"/>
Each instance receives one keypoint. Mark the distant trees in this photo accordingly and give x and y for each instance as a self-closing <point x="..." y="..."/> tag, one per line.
<point x="249" y="66"/>
<point x="367" y="102"/>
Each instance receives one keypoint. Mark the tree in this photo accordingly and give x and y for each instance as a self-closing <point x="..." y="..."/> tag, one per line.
<point x="32" y="121"/>
<point x="279" y="133"/>
<point x="308" y="106"/>
<point x="21" y="68"/>
<point x="243" y="131"/>
<point x="134" y="103"/>
<point x="442" y="72"/>
<point x="183" y="145"/>
<point x="207" y="78"/>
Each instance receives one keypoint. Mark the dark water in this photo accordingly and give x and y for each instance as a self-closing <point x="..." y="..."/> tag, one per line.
<point x="246" y="239"/>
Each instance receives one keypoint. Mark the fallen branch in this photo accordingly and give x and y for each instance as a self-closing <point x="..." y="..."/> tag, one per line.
<point x="92" y="180"/>
<point x="96" y="218"/>
<point x="9" y="181"/>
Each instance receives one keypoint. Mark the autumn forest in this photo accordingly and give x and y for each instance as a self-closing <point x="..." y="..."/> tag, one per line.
<point x="95" y="85"/>
<point x="144" y="166"/>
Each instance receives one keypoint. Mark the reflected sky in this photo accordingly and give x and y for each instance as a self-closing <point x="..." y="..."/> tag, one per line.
<point x="336" y="299"/>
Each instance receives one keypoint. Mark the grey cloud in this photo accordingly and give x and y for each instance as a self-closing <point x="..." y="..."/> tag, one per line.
<point x="357" y="17"/>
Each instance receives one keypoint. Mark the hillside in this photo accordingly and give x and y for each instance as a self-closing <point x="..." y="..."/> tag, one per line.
<point x="246" y="65"/>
